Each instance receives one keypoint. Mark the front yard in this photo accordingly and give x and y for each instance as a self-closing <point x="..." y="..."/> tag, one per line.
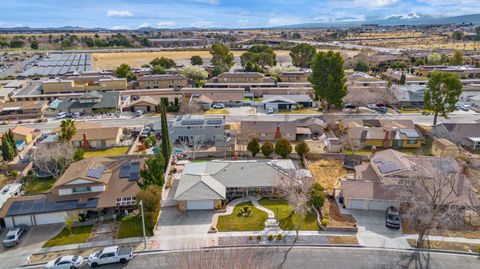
<point x="335" y="218"/>
<point x="79" y="235"/>
<point x="301" y="111"/>
<point x="131" y="226"/>
<point x="106" y="152"/>
<point x="217" y="112"/>
<point x="446" y="245"/>
<point x="327" y="172"/>
<point x="287" y="219"/>
<point x="236" y="222"/>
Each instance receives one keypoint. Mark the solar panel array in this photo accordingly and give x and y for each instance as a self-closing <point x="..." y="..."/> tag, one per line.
<point x="61" y="63"/>
<point x="192" y="122"/>
<point x="130" y="171"/>
<point x="410" y="133"/>
<point x="42" y="205"/>
<point x="96" y="171"/>
<point x="214" y="121"/>
<point x="386" y="166"/>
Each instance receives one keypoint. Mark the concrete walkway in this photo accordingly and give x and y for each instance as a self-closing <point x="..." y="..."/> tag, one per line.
<point x="271" y="224"/>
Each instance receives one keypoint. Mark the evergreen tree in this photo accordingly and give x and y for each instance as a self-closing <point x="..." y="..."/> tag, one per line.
<point x="267" y="149"/>
<point x="13" y="144"/>
<point x="166" y="145"/>
<point x="302" y="149"/>
<point x="328" y="77"/>
<point x="442" y="93"/>
<point x="253" y="146"/>
<point x="9" y="147"/>
<point x="302" y="55"/>
<point x="153" y="173"/>
<point x="222" y="58"/>
<point x="283" y="148"/>
<point x="403" y="79"/>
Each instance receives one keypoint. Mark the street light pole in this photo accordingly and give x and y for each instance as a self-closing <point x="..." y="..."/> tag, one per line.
<point x="143" y="225"/>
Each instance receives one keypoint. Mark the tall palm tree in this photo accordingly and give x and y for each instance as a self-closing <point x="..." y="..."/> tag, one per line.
<point x="67" y="130"/>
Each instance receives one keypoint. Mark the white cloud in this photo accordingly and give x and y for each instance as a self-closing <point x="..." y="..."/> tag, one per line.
<point x="119" y="13"/>
<point x="143" y="25"/>
<point x="375" y="3"/>
<point x="119" y="27"/>
<point x="244" y="22"/>
<point x="202" y="24"/>
<point x="283" y="21"/>
<point x="165" y="24"/>
<point x="211" y="2"/>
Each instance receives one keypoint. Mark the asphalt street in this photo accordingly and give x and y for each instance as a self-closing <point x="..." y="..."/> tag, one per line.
<point x="300" y="257"/>
<point x="136" y="121"/>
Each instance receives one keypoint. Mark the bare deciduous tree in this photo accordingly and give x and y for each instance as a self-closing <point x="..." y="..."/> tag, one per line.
<point x="195" y="143"/>
<point x="435" y="200"/>
<point x="52" y="160"/>
<point x="187" y="107"/>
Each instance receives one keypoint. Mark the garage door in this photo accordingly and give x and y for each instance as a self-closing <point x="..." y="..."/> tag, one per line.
<point x="379" y="204"/>
<point x="49" y="218"/>
<point x="200" y="205"/>
<point x="356" y="204"/>
<point x="22" y="220"/>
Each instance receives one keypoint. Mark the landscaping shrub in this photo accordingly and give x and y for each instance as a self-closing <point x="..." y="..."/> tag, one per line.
<point x="250" y="238"/>
<point x="270" y="237"/>
<point x="317" y="196"/>
<point x="267" y="149"/>
<point x="324" y="222"/>
<point x="279" y="237"/>
<point x="253" y="147"/>
<point x="259" y="237"/>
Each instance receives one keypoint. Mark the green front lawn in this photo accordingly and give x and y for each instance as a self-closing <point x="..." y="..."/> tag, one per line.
<point x="38" y="185"/>
<point x="106" y="152"/>
<point x="131" y="226"/>
<point x="287" y="218"/>
<point x="234" y="223"/>
<point x="79" y="235"/>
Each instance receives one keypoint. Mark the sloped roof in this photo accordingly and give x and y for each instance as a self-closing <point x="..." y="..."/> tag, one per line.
<point x="22" y="130"/>
<point x="97" y="133"/>
<point x="199" y="187"/>
<point x="80" y="170"/>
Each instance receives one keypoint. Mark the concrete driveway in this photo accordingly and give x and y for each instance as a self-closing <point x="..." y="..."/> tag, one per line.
<point x="30" y="243"/>
<point x="372" y="231"/>
<point x="179" y="230"/>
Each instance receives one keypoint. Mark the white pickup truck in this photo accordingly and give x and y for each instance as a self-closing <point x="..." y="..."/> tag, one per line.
<point x="110" y="255"/>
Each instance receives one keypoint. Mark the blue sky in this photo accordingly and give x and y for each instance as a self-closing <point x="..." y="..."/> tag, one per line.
<point x="133" y="14"/>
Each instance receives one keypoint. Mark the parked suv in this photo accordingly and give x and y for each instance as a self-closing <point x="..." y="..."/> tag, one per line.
<point x="13" y="236"/>
<point x="392" y="218"/>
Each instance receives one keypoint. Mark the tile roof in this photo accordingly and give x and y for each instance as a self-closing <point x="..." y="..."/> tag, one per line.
<point x="22" y="130"/>
<point x="97" y="133"/>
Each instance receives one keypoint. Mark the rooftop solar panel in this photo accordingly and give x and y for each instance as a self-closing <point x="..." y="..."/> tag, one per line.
<point x="125" y="171"/>
<point x="96" y="171"/>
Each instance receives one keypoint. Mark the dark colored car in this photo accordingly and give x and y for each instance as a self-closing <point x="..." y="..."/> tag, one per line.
<point x="392" y="218"/>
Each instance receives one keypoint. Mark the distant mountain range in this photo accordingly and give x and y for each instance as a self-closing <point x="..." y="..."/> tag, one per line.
<point x="410" y="19"/>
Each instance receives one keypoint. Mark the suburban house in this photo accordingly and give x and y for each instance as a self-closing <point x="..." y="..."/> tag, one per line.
<point x="286" y="102"/>
<point x="260" y="92"/>
<point x="206" y="185"/>
<point x="97" y="138"/>
<point x="360" y="79"/>
<point x="293" y="130"/>
<point x="145" y="103"/>
<point x="22" y="134"/>
<point x="408" y="96"/>
<point x="464" y="71"/>
<point x="383" y="133"/>
<point x="94" y="185"/>
<point x="442" y="147"/>
<point x="22" y="110"/>
<point x="231" y="99"/>
<point x="84" y="84"/>
<point x="8" y="90"/>
<point x="465" y="134"/>
<point x="395" y="76"/>
<point x="294" y="79"/>
<point x="244" y="80"/>
<point x="193" y="129"/>
<point x="163" y="81"/>
<point x="92" y="103"/>
<point x="377" y="183"/>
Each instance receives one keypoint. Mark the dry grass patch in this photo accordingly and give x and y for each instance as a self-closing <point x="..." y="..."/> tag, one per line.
<point x="342" y="240"/>
<point x="327" y="172"/>
<point x="446" y="245"/>
<point x="335" y="218"/>
<point x="4" y="180"/>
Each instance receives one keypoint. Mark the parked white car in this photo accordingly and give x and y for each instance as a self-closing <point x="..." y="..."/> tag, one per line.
<point x="109" y="255"/>
<point x="65" y="262"/>
<point x="218" y="106"/>
<point x="12" y="238"/>
<point x="62" y="115"/>
<point x="139" y="113"/>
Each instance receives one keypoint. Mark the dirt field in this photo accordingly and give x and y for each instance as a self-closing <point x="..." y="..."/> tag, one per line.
<point x="342" y="240"/>
<point x="327" y="172"/>
<point x="335" y="218"/>
<point x="137" y="59"/>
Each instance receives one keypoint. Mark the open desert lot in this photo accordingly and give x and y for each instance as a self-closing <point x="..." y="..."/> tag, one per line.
<point x="111" y="60"/>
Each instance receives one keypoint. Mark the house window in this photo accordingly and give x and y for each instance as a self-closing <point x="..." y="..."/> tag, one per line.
<point x="81" y="189"/>
<point x="412" y="142"/>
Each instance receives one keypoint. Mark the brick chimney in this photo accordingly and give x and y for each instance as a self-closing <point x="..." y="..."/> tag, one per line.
<point x="85" y="143"/>
<point x="278" y="133"/>
<point x="235" y="156"/>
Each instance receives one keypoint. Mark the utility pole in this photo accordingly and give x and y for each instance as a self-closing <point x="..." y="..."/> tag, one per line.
<point x="143" y="225"/>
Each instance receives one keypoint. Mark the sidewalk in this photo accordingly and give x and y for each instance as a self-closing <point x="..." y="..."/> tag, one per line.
<point x="92" y="244"/>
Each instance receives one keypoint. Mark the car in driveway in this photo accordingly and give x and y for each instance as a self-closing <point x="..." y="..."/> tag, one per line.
<point x="218" y="106"/>
<point x="13" y="236"/>
<point x="110" y="255"/>
<point x="392" y="218"/>
<point x="65" y="262"/>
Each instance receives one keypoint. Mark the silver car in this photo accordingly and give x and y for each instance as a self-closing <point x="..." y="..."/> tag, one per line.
<point x="13" y="236"/>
